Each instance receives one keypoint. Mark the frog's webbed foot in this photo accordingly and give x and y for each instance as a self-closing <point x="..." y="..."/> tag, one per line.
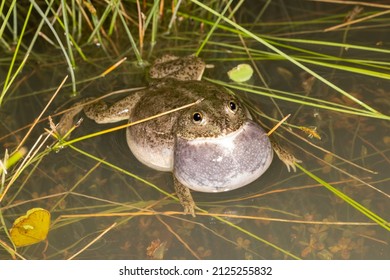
<point x="67" y="120"/>
<point x="185" y="197"/>
<point x="286" y="157"/>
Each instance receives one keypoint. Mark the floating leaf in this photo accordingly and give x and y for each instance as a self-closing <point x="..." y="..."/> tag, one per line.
<point x="30" y="228"/>
<point x="241" y="73"/>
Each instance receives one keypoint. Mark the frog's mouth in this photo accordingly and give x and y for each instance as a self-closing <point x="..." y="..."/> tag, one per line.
<point x="223" y="163"/>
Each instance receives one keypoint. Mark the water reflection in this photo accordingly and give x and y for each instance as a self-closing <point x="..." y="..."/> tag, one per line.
<point x="292" y="212"/>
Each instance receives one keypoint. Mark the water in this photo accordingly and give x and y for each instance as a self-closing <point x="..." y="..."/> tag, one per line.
<point x="287" y="215"/>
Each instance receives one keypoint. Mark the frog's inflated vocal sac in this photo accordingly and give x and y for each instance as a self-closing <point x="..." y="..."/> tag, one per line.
<point x="213" y="146"/>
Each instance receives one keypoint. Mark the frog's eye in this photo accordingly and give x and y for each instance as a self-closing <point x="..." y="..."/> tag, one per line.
<point x="232" y="106"/>
<point x="197" y="117"/>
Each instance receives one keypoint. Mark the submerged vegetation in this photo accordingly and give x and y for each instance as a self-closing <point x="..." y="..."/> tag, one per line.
<point x="324" y="62"/>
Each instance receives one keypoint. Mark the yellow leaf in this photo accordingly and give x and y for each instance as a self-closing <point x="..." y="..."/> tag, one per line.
<point x="30" y="228"/>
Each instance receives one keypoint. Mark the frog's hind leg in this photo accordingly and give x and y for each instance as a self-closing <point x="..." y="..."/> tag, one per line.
<point x="100" y="112"/>
<point x="67" y="119"/>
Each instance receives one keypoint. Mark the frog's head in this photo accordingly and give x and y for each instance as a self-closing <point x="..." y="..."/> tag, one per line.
<point x="218" y="147"/>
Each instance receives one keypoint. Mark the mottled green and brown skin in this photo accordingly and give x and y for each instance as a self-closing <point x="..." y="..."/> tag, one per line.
<point x="212" y="146"/>
<point x="187" y="68"/>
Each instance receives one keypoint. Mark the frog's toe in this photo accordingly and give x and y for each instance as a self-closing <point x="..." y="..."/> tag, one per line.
<point x="189" y="208"/>
<point x="290" y="161"/>
<point x="66" y="122"/>
<point x="286" y="157"/>
<point x="64" y="126"/>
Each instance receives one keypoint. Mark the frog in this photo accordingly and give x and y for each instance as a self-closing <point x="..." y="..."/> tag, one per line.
<point x="213" y="146"/>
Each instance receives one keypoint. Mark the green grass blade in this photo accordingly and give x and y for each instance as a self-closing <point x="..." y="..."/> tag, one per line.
<point x="7" y="81"/>
<point x="68" y="61"/>
<point x="287" y="57"/>
<point x="67" y="34"/>
<point x="372" y="216"/>
<point x="303" y="102"/>
<point x="214" y="26"/>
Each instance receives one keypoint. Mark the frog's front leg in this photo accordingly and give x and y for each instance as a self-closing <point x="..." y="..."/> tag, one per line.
<point x="285" y="156"/>
<point x="185" y="197"/>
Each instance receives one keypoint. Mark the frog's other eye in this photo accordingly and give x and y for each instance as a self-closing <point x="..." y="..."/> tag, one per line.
<point x="197" y="118"/>
<point x="232" y="106"/>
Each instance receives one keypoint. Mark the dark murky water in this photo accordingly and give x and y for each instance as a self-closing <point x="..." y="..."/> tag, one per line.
<point x="281" y="215"/>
